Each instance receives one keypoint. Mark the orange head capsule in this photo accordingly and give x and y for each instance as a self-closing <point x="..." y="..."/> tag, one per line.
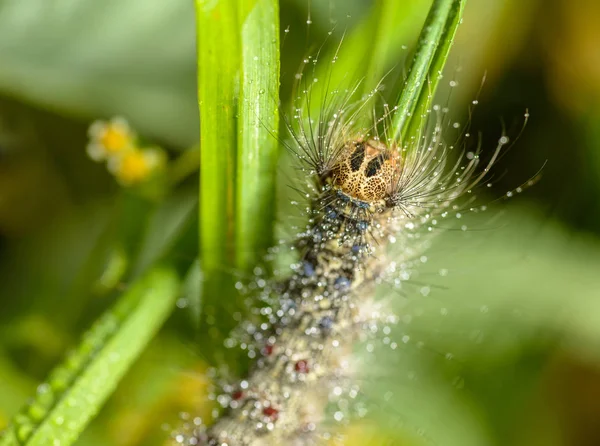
<point x="366" y="170"/>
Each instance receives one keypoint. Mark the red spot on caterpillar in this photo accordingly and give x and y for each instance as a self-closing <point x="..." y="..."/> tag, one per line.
<point x="301" y="366"/>
<point x="268" y="350"/>
<point x="271" y="412"/>
<point x="237" y="395"/>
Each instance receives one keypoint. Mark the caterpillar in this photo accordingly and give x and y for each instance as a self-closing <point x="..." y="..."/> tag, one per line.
<point x="367" y="194"/>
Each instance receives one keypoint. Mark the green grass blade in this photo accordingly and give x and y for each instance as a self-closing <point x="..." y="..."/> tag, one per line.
<point x="425" y="71"/>
<point x="218" y="44"/>
<point x="218" y="85"/>
<point x="257" y="129"/>
<point x="76" y="389"/>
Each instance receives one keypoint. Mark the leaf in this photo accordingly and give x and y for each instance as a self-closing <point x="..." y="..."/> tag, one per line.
<point x="76" y="389"/>
<point x="218" y="84"/>
<point x="218" y="88"/>
<point x="165" y="381"/>
<point x="425" y="71"/>
<point x="257" y="129"/>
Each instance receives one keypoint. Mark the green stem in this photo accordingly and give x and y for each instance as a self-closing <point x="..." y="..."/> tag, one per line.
<point x="183" y="166"/>
<point x="425" y="71"/>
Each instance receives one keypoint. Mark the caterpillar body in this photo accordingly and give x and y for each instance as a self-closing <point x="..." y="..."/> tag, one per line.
<point x="309" y="339"/>
<point x="365" y="192"/>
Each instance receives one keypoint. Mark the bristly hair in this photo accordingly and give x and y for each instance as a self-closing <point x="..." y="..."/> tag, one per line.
<point x="359" y="172"/>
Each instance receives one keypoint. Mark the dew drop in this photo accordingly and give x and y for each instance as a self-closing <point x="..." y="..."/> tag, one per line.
<point x="37" y="412"/>
<point x="24" y="431"/>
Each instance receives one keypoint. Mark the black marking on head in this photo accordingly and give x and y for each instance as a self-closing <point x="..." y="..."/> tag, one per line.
<point x="374" y="165"/>
<point x="357" y="157"/>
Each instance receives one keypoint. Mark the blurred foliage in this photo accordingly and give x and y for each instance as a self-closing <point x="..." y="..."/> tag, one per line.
<point x="501" y="350"/>
<point x="92" y="59"/>
<point x="79" y="386"/>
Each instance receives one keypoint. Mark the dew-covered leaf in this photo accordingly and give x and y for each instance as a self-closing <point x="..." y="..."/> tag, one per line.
<point x="76" y="389"/>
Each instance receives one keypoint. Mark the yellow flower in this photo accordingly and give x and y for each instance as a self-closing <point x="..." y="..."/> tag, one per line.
<point x="109" y="139"/>
<point x="135" y="166"/>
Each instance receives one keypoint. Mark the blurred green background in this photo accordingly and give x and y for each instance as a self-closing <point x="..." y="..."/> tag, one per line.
<point x="502" y="348"/>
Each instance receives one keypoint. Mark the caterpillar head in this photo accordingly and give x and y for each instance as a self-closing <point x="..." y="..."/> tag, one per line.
<point x="366" y="171"/>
